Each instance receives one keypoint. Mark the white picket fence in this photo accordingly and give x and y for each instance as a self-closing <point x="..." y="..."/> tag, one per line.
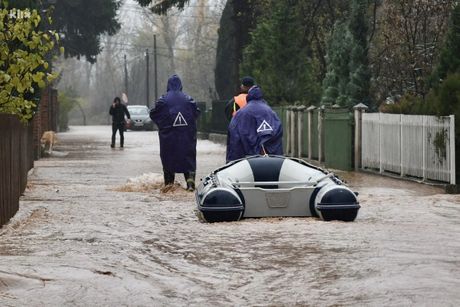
<point x="410" y="145"/>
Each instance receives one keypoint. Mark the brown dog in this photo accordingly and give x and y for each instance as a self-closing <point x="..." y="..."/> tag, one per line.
<point x="48" y="138"/>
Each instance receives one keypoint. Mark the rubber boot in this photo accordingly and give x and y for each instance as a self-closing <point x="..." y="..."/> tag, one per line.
<point x="190" y="179"/>
<point x="168" y="177"/>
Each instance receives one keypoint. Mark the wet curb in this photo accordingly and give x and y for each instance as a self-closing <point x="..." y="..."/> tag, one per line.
<point x="452" y="189"/>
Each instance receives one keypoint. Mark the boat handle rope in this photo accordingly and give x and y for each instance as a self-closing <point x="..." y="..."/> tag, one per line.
<point x="308" y="183"/>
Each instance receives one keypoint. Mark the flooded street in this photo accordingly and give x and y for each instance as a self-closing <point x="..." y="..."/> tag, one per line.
<point x="94" y="229"/>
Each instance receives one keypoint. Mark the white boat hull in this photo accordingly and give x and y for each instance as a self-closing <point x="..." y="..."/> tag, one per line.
<point x="268" y="186"/>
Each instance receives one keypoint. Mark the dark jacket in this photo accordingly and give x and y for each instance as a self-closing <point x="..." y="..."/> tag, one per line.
<point x="254" y="128"/>
<point x="118" y="113"/>
<point x="175" y="114"/>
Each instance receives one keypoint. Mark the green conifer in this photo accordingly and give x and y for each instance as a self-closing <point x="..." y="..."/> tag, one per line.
<point x="359" y="79"/>
<point x="278" y="59"/>
<point x="337" y="75"/>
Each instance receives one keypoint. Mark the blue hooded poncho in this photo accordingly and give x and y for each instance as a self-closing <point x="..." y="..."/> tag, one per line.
<point x="175" y="115"/>
<point x="254" y="129"/>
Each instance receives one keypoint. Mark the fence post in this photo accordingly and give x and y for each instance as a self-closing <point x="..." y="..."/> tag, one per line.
<point x="401" y="147"/>
<point x="380" y="144"/>
<point x="452" y="150"/>
<point x="288" y="130"/>
<point x="292" y="128"/>
<point x="300" y="110"/>
<point x="359" y="110"/>
<point x="320" y="133"/>
<point x="424" y="147"/>
<point x="310" y="110"/>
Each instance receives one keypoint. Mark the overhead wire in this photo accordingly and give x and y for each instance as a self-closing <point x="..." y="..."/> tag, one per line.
<point x="139" y="47"/>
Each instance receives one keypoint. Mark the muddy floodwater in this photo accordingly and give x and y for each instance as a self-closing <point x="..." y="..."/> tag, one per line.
<point x="95" y="229"/>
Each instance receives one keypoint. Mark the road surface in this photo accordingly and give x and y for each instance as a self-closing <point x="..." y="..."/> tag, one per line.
<point x="94" y="229"/>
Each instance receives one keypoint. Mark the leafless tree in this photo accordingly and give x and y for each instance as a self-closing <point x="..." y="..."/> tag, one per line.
<point x="186" y="45"/>
<point x="407" y="44"/>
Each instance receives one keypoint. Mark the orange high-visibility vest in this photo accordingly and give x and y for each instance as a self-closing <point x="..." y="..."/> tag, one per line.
<point x="240" y="100"/>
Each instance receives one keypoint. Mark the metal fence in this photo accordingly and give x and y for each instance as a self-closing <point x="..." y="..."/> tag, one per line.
<point x="304" y="132"/>
<point x="322" y="134"/>
<point x="219" y="122"/>
<point x="410" y="145"/>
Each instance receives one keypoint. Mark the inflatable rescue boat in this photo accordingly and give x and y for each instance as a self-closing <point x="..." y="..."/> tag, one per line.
<point x="268" y="186"/>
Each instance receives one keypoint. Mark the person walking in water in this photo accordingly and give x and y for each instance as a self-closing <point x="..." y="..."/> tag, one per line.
<point x="118" y="111"/>
<point x="175" y="113"/>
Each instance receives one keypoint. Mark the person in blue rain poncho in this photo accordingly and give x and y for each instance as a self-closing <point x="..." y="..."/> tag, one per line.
<point x="175" y="114"/>
<point x="255" y="129"/>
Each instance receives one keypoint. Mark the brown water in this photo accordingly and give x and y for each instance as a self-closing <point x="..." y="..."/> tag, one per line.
<point x="94" y="229"/>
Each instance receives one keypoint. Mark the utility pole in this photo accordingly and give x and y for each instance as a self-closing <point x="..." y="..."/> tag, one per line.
<point x="126" y="77"/>
<point x="147" y="77"/>
<point x="155" y="65"/>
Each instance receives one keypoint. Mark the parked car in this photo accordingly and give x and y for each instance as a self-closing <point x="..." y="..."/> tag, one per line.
<point x="140" y="119"/>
